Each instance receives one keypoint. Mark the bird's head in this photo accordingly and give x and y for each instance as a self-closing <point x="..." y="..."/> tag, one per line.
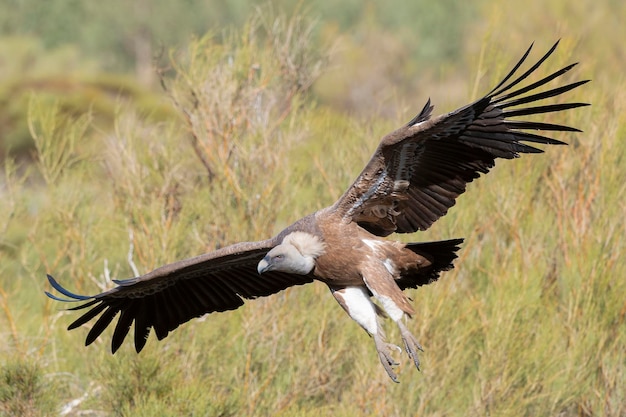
<point x="296" y="254"/>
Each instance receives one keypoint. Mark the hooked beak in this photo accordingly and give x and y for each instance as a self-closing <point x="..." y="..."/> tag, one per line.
<point x="263" y="265"/>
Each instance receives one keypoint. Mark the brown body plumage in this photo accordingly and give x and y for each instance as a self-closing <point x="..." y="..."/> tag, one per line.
<point x="413" y="178"/>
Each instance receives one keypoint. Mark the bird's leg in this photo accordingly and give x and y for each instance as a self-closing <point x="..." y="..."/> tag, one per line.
<point x="410" y="344"/>
<point x="396" y="305"/>
<point x="383" y="349"/>
<point x="356" y="302"/>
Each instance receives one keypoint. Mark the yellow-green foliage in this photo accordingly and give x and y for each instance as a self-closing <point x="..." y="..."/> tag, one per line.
<point x="24" y="390"/>
<point x="530" y="322"/>
<point x="75" y="83"/>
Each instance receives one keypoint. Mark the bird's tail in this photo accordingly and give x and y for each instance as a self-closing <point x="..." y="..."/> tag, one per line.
<point x="440" y="253"/>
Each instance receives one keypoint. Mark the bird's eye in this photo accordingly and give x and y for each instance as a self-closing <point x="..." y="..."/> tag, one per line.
<point x="279" y="257"/>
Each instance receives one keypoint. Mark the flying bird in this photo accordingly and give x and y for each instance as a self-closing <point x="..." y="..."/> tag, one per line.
<point x="414" y="177"/>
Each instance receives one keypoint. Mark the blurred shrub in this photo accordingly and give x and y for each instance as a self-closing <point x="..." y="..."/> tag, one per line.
<point x="242" y="99"/>
<point x="64" y="76"/>
<point x="25" y="391"/>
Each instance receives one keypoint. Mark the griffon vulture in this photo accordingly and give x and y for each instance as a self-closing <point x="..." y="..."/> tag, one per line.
<point x="413" y="178"/>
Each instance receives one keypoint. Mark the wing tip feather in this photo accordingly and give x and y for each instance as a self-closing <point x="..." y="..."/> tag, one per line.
<point x="74" y="297"/>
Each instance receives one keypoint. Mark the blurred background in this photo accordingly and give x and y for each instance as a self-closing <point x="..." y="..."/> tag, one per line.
<point x="91" y="54"/>
<point x="134" y="134"/>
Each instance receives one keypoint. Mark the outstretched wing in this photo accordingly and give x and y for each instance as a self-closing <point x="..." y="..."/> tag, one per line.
<point x="419" y="170"/>
<point x="174" y="294"/>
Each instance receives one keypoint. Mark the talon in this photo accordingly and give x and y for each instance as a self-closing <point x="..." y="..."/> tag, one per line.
<point x="396" y="347"/>
<point x="411" y="344"/>
<point x="387" y="361"/>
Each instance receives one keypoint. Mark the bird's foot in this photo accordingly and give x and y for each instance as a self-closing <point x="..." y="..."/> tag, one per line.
<point x="388" y="362"/>
<point x="410" y="344"/>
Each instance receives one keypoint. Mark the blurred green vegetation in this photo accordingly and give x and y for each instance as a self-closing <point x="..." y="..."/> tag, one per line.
<point x="94" y="54"/>
<point x="116" y="33"/>
<point x="24" y="390"/>
<point x="131" y="138"/>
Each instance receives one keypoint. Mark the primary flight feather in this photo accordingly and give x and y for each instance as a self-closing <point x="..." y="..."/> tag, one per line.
<point x="413" y="178"/>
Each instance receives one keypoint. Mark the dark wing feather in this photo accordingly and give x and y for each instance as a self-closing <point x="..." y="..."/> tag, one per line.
<point x="419" y="170"/>
<point x="440" y="253"/>
<point x="174" y="294"/>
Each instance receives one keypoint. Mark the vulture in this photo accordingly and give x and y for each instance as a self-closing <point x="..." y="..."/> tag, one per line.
<point x="413" y="178"/>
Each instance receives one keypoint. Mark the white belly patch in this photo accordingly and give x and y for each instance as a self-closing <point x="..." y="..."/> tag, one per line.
<point x="360" y="308"/>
